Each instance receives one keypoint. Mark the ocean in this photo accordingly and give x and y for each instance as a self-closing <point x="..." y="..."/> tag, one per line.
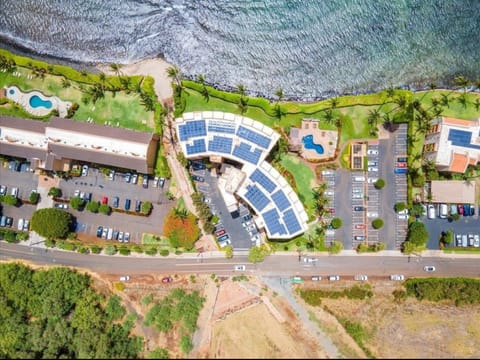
<point x="309" y="48"/>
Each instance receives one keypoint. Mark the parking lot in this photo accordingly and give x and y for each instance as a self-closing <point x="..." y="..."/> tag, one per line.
<point x="234" y="224"/>
<point x="100" y="186"/>
<point x="401" y="225"/>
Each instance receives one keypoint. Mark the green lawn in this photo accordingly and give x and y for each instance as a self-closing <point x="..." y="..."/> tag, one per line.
<point x="124" y="108"/>
<point x="454" y="109"/>
<point x="304" y="178"/>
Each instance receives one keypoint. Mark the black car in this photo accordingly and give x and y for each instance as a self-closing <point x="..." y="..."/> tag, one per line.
<point x="88" y="196"/>
<point x="247" y="217"/>
<point x="127" y="204"/>
<point x="161" y="182"/>
<point x="99" y="231"/>
<point x="145" y="182"/>
<point x="115" y="235"/>
<point x="358" y="208"/>
<point x="9" y="221"/>
<point x="138" y="204"/>
<point x="116" y="200"/>
<point x="198" y="178"/>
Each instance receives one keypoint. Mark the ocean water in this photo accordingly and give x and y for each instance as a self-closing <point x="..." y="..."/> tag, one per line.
<point x="310" y="48"/>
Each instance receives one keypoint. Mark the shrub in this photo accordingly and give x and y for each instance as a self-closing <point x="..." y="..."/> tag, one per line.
<point x="164" y="252"/>
<point x="34" y="197"/>
<point x="10" y="200"/>
<point x="377" y="223"/>
<point x="138" y="249"/>
<point x="76" y="203"/>
<point x="82" y="250"/>
<point x="400" y="206"/>
<point x="55" y="192"/>
<point x="94" y="249"/>
<point x="336" y="247"/>
<point x="105" y="209"/>
<point x="151" y="250"/>
<point x="124" y="251"/>
<point x="9" y="236"/>
<point x="110" y="250"/>
<point x="92" y="206"/>
<point x="146" y="207"/>
<point x="22" y="236"/>
<point x="51" y="223"/>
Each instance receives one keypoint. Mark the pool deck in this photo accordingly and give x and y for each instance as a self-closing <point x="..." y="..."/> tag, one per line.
<point x="23" y="99"/>
<point x="327" y="138"/>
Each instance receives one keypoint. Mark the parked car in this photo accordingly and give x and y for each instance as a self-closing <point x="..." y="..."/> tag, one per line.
<point x="309" y="260"/>
<point x="120" y="236"/>
<point x="470" y="239"/>
<point x="372" y="152"/>
<point x="116" y="200"/>
<point x="104" y="232"/>
<point x="9" y="221"/>
<point x="458" y="240"/>
<point x="247" y="217"/>
<point x="402" y="159"/>
<point x="240" y="267"/>
<point x="198" y="178"/>
<point x="358" y="208"/>
<point x="402" y="164"/>
<point x="359" y="238"/>
<point x="134" y="178"/>
<point x="167" y="279"/>
<point x="372" y="180"/>
<point x="126" y="237"/>
<point x="466" y="210"/>
<point x="372" y="214"/>
<point x="111" y="175"/>
<point x="255" y="238"/>
<point x="360" y="226"/>
<point x="316" y="278"/>
<point x="372" y="169"/>
<point x="225" y="243"/>
<point x="20" y="224"/>
<point x="127" y="204"/>
<point x="334" y="277"/>
<point x="99" y="231"/>
<point x="357" y="196"/>
<point x="472" y="209"/>
<point x="161" y="182"/>
<point x="138" y="205"/>
<point x="220" y="232"/>
<point x="453" y="209"/>
<point x="397" y="277"/>
<point x="88" y="196"/>
<point x="124" y="278"/>
<point x="115" y="235"/>
<point x="3" y="221"/>
<point x="76" y="193"/>
<point x="155" y="181"/>
<point x="26" y="225"/>
<point x="357" y="191"/>
<point x="329" y="193"/>
<point x="3" y="190"/>
<point x="476" y="240"/>
<point x="223" y="237"/>
<point x="400" y="170"/>
<point x="61" y="206"/>
<point x="84" y="170"/>
<point x="372" y="163"/>
<point x="14" y="191"/>
<point x="431" y="211"/>
<point x="104" y="200"/>
<point x="464" y="240"/>
<point x="128" y="177"/>
<point x="145" y="182"/>
<point x="429" y="268"/>
<point x="460" y="209"/>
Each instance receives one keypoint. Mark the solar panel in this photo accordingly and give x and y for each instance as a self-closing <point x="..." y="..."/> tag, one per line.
<point x="220" y="144"/>
<point x="243" y="152"/>
<point x="253" y="136"/>
<point x="281" y="200"/>
<point x="258" y="199"/>
<point x="263" y="180"/>
<point x="461" y="138"/>
<point x="192" y="129"/>
<point x="272" y="222"/>
<point x="198" y="146"/>
<point x="291" y="221"/>
<point x="221" y="127"/>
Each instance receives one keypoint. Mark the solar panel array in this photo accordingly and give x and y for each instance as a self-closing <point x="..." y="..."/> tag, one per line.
<point x="461" y="138"/>
<point x="197" y="147"/>
<point x="281" y="200"/>
<point x="220" y="144"/>
<point x="243" y="151"/>
<point x="221" y="127"/>
<point x="254" y="137"/>
<point x="259" y="177"/>
<point x="291" y="221"/>
<point x="257" y="197"/>
<point x="192" y="129"/>
<point x="271" y="218"/>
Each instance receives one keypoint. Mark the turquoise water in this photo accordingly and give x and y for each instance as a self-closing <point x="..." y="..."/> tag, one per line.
<point x="309" y="144"/>
<point x="12" y="91"/>
<point x="36" y="101"/>
<point x="309" y="48"/>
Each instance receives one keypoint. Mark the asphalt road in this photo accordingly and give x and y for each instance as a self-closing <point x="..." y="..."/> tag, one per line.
<point x="274" y="265"/>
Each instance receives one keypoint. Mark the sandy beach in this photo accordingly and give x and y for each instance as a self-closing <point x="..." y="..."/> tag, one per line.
<point x="156" y="68"/>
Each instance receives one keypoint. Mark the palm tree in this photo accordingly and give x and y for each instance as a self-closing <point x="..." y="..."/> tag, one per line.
<point x="180" y="213"/>
<point x="390" y="91"/>
<point x="116" y="68"/>
<point x="328" y="118"/>
<point x="241" y="89"/>
<point x="374" y="117"/>
<point x="66" y="83"/>
<point x="461" y="81"/>
<point x="205" y="93"/>
<point x="201" y="79"/>
<point x="279" y="94"/>
<point x="462" y="99"/>
<point x="125" y="82"/>
<point x="173" y="72"/>
<point x="333" y="102"/>
<point x="242" y="105"/>
<point x="445" y="100"/>
<point x="477" y="104"/>
<point x="102" y="77"/>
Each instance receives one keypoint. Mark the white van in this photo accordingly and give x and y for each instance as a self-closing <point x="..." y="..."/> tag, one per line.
<point x="443" y="211"/>
<point x="110" y="234"/>
<point x="431" y="211"/>
<point x="359" y="178"/>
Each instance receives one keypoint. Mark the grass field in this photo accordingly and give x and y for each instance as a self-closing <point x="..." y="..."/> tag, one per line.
<point x="304" y="178"/>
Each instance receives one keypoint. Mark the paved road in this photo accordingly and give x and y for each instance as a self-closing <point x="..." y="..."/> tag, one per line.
<point x="274" y="265"/>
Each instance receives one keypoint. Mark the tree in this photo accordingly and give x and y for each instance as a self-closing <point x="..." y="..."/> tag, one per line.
<point x="174" y="73"/>
<point x="181" y="228"/>
<point x="417" y="210"/>
<point x="377" y="223"/>
<point x="400" y="206"/>
<point x="257" y="253"/>
<point x="417" y="234"/>
<point x="51" y="223"/>
<point x="201" y="79"/>
<point x="279" y="94"/>
<point x="241" y="89"/>
<point x="146" y="207"/>
<point x="55" y="192"/>
<point x="242" y="105"/>
<point x="10" y="200"/>
<point x="333" y="102"/>
<point x="228" y="251"/>
<point x="116" y="68"/>
<point x="92" y="206"/>
<point x="461" y="81"/>
<point x="335" y="247"/>
<point x="379" y="184"/>
<point x="105" y="209"/>
<point x="76" y="203"/>
<point x="336" y="223"/>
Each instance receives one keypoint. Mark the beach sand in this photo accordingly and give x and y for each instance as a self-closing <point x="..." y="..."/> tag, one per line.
<point x="156" y="68"/>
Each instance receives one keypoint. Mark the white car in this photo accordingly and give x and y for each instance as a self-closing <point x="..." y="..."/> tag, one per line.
<point x="476" y="240"/>
<point x="155" y="181"/>
<point x="371" y="180"/>
<point x="26" y="224"/>
<point x="403" y="217"/>
<point x="372" y="214"/>
<point x="240" y="267"/>
<point x="372" y="152"/>
<point x="124" y="278"/>
<point x="20" y="224"/>
<point x="327" y="172"/>
<point x="225" y="243"/>
<point x="84" y="170"/>
<point x="372" y="169"/>
<point x="360" y="277"/>
<point x="329" y="193"/>
<point x="397" y="277"/>
<point x="334" y="277"/>
<point x="429" y="268"/>
<point x="357" y="196"/>
<point x="309" y="260"/>
<point x="111" y="175"/>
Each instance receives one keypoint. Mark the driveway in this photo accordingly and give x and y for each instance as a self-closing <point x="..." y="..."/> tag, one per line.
<point x="465" y="225"/>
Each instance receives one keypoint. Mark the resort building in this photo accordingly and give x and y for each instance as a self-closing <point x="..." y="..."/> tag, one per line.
<point x="247" y="143"/>
<point x="454" y="191"/>
<point x="453" y="144"/>
<point x="58" y="143"/>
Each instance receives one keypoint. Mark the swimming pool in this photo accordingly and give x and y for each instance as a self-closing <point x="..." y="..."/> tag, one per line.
<point x="309" y="144"/>
<point x="36" y="101"/>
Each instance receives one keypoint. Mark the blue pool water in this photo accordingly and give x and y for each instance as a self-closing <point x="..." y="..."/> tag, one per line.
<point x="309" y="144"/>
<point x="36" y="101"/>
<point x="12" y="91"/>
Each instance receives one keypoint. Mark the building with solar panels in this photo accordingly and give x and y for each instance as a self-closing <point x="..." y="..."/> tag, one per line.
<point x="453" y="144"/>
<point x="247" y="143"/>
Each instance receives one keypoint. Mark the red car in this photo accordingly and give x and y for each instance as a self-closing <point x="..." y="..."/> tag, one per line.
<point x="105" y="200"/>
<point x="360" y="226"/>
<point x="167" y="279"/>
<point x="331" y="210"/>
<point x="220" y="232"/>
<point x="402" y="164"/>
<point x="460" y="209"/>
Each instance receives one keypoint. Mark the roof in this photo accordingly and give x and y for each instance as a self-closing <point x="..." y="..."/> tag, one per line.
<point x="459" y="163"/>
<point x="22" y="151"/>
<point x="454" y="191"/>
<point x="459" y="122"/>
<point x="99" y="157"/>
<point x="23" y="124"/>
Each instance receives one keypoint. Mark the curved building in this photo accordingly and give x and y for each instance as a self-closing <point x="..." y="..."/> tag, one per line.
<point x="247" y="142"/>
